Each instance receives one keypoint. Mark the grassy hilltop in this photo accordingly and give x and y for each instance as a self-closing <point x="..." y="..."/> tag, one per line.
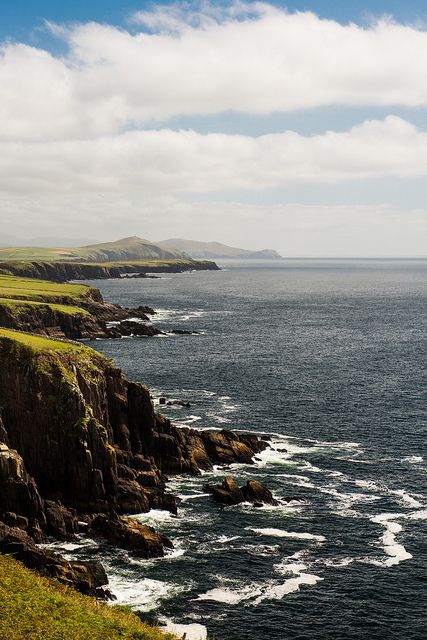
<point x="123" y="250"/>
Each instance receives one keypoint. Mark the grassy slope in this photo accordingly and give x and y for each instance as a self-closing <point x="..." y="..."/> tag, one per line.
<point x="21" y="294"/>
<point x="32" y="289"/>
<point x="126" y="249"/>
<point x="18" y="306"/>
<point x="42" y="344"/>
<point x="35" y="608"/>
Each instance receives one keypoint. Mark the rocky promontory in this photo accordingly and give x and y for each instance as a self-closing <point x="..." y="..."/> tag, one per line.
<point x="82" y="448"/>
<point x="74" y="311"/>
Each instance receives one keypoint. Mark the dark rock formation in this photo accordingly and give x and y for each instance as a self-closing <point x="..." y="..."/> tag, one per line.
<point x="128" y="533"/>
<point x="98" y="320"/>
<point x="80" y="441"/>
<point x="132" y="328"/>
<point x="228" y="492"/>
<point x="87" y="577"/>
<point x="254" y="491"/>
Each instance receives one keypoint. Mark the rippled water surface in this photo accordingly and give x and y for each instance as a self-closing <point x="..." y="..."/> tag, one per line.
<point x="329" y="359"/>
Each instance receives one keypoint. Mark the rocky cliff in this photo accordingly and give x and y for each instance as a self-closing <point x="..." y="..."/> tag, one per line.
<point x="83" y="443"/>
<point x="91" y="320"/>
<point x="64" y="271"/>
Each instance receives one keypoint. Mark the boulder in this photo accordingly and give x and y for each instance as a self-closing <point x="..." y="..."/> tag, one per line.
<point x="128" y="533"/>
<point x="228" y="492"/>
<point x="257" y="492"/>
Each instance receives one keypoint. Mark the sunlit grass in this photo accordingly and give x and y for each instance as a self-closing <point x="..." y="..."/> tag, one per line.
<point x="35" y="608"/>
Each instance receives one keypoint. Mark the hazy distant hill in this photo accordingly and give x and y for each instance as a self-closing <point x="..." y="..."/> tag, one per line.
<point x="132" y="248"/>
<point x="212" y="250"/>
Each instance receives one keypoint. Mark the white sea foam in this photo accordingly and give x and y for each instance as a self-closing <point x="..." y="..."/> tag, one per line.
<point x="186" y="421"/>
<point x="413" y="459"/>
<point x="229" y="596"/>
<point x="417" y="515"/>
<point x="155" y="516"/>
<point x="144" y="595"/>
<point x="193" y="496"/>
<point x="396" y="552"/>
<point x="188" y="631"/>
<point x="278" y="591"/>
<point x="406" y="499"/>
<point x="224" y="539"/>
<point x="280" y="533"/>
<point x="367" y="484"/>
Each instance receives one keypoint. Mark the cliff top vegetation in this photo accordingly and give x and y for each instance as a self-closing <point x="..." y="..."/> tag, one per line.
<point x="36" y="608"/>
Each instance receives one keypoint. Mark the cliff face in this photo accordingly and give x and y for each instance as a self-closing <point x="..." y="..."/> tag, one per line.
<point x="92" y="322"/>
<point x="80" y="440"/>
<point x="63" y="271"/>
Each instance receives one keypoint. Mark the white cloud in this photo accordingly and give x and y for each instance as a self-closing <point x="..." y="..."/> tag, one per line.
<point x="251" y="58"/>
<point x="189" y="162"/>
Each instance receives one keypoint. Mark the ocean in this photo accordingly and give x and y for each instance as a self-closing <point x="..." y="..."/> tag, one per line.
<point x="327" y="359"/>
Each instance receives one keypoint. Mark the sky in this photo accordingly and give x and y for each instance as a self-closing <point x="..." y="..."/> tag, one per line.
<point x="298" y="126"/>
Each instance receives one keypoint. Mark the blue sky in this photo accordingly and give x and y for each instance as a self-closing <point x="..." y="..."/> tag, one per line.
<point x="18" y="18"/>
<point x="256" y="126"/>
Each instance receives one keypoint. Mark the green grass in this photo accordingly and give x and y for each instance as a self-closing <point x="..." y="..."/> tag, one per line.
<point x="22" y="305"/>
<point x="40" y="343"/>
<point x="35" y="608"/>
<point x="21" y="294"/>
<point x="41" y="290"/>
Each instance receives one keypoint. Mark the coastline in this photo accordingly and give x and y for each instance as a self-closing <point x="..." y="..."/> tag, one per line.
<point x="65" y="271"/>
<point x="116" y="462"/>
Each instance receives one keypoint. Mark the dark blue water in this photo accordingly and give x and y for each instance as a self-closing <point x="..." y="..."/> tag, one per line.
<point x="329" y="358"/>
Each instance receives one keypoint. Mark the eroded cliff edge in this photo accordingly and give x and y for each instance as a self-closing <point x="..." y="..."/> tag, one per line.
<point x="64" y="271"/>
<point x="82" y="446"/>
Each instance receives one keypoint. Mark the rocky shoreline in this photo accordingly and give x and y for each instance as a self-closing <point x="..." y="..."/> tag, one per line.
<point x="82" y="449"/>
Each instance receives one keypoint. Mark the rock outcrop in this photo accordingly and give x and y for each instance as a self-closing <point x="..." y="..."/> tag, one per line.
<point x="228" y="492"/>
<point x="128" y="533"/>
<point x="96" y="320"/>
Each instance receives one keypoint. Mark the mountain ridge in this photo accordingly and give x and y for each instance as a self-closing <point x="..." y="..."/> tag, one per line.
<point x="207" y="250"/>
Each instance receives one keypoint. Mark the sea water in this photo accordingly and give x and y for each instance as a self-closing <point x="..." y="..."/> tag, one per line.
<point x="326" y="359"/>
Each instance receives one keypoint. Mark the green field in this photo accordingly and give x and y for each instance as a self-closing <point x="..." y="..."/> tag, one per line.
<point x="35" y="608"/>
<point x="41" y="290"/>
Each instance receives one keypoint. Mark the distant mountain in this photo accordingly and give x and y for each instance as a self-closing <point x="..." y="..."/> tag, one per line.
<point x="132" y="248"/>
<point x="212" y="250"/>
